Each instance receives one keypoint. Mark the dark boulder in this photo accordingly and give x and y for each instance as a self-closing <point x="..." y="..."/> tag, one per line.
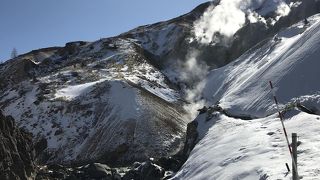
<point x="145" y="171"/>
<point x="170" y="163"/>
<point x="191" y="138"/>
<point x="97" y="170"/>
<point x="203" y="110"/>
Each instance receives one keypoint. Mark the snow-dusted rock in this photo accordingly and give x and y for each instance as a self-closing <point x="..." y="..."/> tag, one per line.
<point x="102" y="100"/>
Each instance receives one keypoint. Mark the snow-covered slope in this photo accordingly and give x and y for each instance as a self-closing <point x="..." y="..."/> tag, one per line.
<point x="289" y="60"/>
<point x="255" y="149"/>
<point x="232" y="148"/>
<point x="101" y="100"/>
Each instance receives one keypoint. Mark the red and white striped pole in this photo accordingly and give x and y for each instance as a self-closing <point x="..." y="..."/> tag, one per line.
<point x="283" y="127"/>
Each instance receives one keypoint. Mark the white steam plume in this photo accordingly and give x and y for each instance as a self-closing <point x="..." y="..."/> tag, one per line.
<point x="193" y="73"/>
<point x="225" y="19"/>
<point x="282" y="10"/>
<point x="192" y="70"/>
<point x="219" y="23"/>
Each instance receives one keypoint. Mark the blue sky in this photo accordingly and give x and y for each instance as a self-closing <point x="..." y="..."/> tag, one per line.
<point x="33" y="24"/>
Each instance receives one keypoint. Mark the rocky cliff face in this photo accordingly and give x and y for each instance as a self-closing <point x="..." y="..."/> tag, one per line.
<point x="16" y="151"/>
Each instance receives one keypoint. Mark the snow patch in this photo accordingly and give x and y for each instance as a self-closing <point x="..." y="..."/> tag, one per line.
<point x="72" y="92"/>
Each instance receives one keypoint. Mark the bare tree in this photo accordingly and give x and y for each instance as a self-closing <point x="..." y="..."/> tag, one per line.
<point x="14" y="53"/>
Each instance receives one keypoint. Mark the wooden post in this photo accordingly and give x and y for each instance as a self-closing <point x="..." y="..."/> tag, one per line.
<point x="288" y="167"/>
<point x="294" y="160"/>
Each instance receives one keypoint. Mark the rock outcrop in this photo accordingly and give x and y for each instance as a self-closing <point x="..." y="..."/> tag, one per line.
<point x="16" y="151"/>
<point x="90" y="171"/>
